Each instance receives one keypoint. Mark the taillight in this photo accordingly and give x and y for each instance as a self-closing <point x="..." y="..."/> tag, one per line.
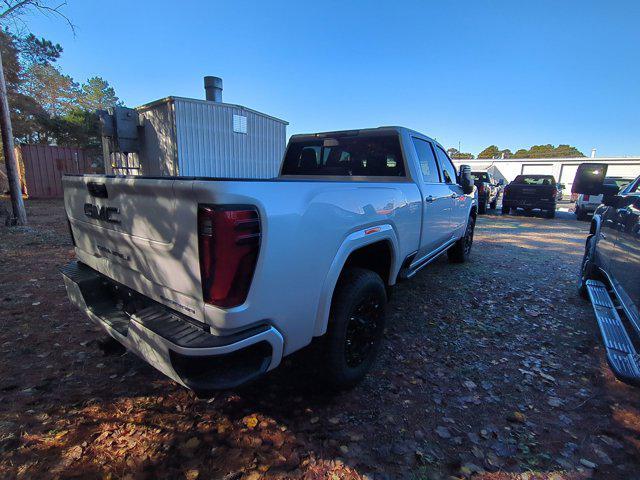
<point x="586" y="197"/>
<point x="481" y="188"/>
<point x="554" y="192"/>
<point x="228" y="245"/>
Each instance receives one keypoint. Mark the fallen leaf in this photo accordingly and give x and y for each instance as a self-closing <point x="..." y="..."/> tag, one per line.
<point x="251" y="422"/>
<point x="192" y="443"/>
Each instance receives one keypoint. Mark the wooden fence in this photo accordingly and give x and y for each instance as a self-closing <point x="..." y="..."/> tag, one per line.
<point x="44" y="166"/>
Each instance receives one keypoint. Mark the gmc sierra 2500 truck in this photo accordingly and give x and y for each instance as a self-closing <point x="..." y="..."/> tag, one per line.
<point x="214" y="281"/>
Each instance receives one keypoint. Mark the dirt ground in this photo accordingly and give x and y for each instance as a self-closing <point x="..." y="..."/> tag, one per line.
<point x="491" y="369"/>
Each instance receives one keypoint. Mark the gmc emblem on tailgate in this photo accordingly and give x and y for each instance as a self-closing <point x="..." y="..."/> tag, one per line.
<point x="103" y="213"/>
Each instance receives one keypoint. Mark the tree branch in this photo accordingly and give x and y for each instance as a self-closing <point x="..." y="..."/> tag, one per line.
<point x="16" y="8"/>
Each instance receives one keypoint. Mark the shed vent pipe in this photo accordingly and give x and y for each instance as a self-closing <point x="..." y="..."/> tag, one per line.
<point x="213" y="89"/>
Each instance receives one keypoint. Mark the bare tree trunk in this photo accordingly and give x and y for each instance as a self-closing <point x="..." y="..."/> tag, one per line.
<point x="13" y="175"/>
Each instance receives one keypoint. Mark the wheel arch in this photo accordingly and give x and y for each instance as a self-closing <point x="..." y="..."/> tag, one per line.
<point x="594" y="228"/>
<point x="380" y="244"/>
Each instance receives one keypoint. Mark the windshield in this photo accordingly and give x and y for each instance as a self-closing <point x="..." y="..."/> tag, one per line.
<point x="373" y="155"/>
<point x="535" y="180"/>
<point x="480" y="176"/>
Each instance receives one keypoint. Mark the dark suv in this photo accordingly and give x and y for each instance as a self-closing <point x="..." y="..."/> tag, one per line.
<point x="610" y="270"/>
<point x="488" y="191"/>
<point x="531" y="192"/>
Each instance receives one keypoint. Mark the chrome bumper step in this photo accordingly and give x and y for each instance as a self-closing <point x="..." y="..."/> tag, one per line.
<point x="621" y="354"/>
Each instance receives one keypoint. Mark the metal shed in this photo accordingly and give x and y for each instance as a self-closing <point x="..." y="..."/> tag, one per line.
<point x="190" y="137"/>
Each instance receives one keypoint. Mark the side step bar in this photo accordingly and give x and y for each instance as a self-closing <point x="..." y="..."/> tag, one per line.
<point x="621" y="354"/>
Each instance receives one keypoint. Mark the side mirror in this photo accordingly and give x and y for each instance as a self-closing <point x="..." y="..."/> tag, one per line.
<point x="610" y="195"/>
<point x="466" y="180"/>
<point x="589" y="178"/>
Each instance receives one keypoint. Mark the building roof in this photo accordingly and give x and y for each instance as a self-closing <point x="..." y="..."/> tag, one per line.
<point x="172" y="98"/>
<point x="550" y="160"/>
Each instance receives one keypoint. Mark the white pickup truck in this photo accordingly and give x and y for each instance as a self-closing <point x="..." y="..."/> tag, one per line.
<point x="214" y="281"/>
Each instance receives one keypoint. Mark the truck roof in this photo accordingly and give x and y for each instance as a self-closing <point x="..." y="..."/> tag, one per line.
<point x="362" y="131"/>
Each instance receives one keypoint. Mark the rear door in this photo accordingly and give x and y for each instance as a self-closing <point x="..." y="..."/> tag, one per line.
<point x="456" y="198"/>
<point x="436" y="211"/>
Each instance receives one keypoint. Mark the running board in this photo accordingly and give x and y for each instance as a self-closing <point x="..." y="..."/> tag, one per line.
<point x="621" y="354"/>
<point x="418" y="265"/>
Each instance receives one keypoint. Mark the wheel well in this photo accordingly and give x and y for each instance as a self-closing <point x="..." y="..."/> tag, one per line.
<point x="375" y="257"/>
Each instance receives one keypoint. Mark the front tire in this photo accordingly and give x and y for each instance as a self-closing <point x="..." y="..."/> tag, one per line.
<point x="460" y="251"/>
<point x="356" y="324"/>
<point x="588" y="267"/>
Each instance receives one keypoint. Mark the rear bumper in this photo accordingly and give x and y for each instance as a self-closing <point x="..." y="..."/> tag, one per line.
<point x="588" y="207"/>
<point x="179" y="347"/>
<point x="528" y="203"/>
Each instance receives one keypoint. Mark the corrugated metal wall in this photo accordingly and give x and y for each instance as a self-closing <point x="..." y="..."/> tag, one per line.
<point x="158" y="143"/>
<point x="44" y="166"/>
<point x="208" y="146"/>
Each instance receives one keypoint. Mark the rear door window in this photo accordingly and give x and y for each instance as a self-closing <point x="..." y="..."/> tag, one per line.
<point x="427" y="161"/>
<point x="534" y="180"/>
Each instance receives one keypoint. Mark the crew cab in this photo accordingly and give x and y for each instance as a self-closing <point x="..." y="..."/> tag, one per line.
<point x="610" y="269"/>
<point x="531" y="192"/>
<point x="214" y="281"/>
<point x="587" y="204"/>
<point x="488" y="191"/>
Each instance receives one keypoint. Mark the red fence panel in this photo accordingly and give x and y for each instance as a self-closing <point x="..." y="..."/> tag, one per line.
<point x="44" y="166"/>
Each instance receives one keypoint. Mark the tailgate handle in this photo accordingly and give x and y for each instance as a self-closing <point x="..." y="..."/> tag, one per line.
<point x="97" y="189"/>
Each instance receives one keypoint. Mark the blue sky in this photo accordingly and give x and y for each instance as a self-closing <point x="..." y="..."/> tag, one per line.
<point x="511" y="73"/>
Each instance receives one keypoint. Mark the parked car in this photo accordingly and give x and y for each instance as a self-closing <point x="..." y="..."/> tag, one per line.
<point x="610" y="270"/>
<point x="587" y="204"/>
<point x="214" y="281"/>
<point x="560" y="188"/>
<point x="488" y="191"/>
<point x="531" y="192"/>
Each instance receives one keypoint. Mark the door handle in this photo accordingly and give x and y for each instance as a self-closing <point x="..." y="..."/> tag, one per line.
<point x="454" y="195"/>
<point x="429" y="199"/>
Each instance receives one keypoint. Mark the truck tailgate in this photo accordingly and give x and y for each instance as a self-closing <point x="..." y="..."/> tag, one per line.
<point x="141" y="232"/>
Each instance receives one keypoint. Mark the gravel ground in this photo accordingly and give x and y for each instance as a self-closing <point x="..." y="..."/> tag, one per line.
<point x="491" y="369"/>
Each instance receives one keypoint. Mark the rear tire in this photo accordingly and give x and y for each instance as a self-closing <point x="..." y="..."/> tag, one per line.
<point x="356" y="324"/>
<point x="550" y="214"/>
<point x="482" y="208"/>
<point x="460" y="251"/>
<point x="494" y="204"/>
<point x="581" y="215"/>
